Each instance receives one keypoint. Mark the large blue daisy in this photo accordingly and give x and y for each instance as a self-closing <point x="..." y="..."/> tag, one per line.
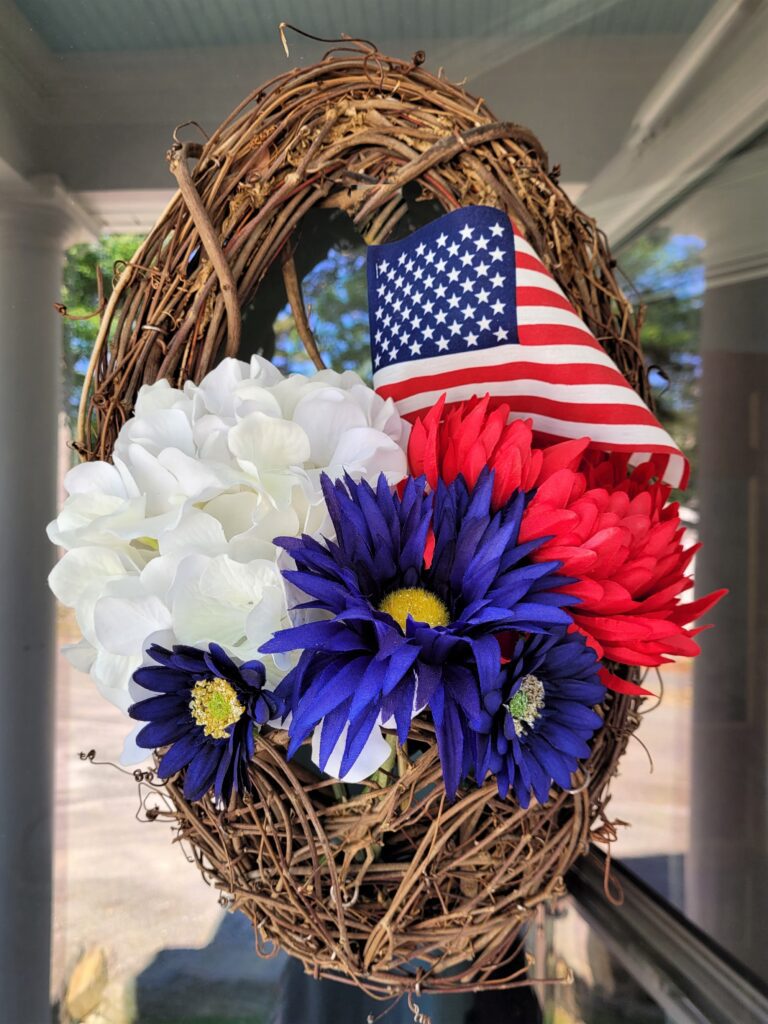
<point x="403" y="633"/>
<point x="542" y="703"/>
<point x="206" y="712"/>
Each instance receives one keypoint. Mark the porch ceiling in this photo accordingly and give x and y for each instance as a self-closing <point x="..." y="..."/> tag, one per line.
<point x="72" y="26"/>
<point x="90" y="90"/>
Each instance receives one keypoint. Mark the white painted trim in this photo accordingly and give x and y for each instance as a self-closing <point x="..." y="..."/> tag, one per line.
<point x="748" y="268"/>
<point x="125" y="211"/>
<point x="83" y="226"/>
<point x="702" y="44"/>
<point x="726" y="107"/>
<point x="46" y="193"/>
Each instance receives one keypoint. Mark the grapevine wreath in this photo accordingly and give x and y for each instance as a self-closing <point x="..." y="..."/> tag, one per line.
<point x="384" y="644"/>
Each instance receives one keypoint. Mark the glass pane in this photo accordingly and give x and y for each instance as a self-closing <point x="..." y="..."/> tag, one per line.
<point x="601" y="992"/>
<point x="698" y="831"/>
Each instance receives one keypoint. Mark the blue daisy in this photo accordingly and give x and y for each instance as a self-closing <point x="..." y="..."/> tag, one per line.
<point x="206" y="712"/>
<point x="402" y="634"/>
<point x="542" y="704"/>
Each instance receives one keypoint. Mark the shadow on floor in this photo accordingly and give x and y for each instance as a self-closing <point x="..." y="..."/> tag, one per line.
<point x="222" y="983"/>
<point x="304" y="1001"/>
<point x="226" y="983"/>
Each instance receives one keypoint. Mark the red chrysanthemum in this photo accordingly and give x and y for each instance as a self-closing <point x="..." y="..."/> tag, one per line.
<point x="471" y="436"/>
<point x="619" y="536"/>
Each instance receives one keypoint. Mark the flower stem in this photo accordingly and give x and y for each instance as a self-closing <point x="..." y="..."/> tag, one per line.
<point x="380" y="778"/>
<point x="340" y="792"/>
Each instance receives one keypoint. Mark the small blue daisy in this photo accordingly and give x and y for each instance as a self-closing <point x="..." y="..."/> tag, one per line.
<point x="206" y="712"/>
<point x="542" y="704"/>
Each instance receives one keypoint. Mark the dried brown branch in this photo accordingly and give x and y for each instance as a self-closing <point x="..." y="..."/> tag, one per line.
<point x="296" y="301"/>
<point x="370" y="890"/>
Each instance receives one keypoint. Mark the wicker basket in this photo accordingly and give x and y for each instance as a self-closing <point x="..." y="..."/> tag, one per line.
<point x="388" y="887"/>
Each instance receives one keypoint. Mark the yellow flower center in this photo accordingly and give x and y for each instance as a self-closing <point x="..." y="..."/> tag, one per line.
<point x="421" y="605"/>
<point x="526" y="704"/>
<point x="215" y="706"/>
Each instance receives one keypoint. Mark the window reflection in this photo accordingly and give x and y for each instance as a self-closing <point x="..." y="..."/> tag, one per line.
<point x="699" y="821"/>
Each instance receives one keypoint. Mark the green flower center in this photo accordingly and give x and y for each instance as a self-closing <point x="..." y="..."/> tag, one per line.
<point x="526" y="703"/>
<point x="421" y="605"/>
<point x="215" y="706"/>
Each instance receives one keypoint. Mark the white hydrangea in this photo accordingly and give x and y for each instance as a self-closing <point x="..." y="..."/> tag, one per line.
<point x="172" y="542"/>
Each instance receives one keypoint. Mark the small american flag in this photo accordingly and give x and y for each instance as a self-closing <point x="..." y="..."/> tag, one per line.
<point x="464" y="306"/>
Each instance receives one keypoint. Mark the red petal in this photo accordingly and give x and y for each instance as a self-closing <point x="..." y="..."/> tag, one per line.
<point x="493" y="428"/>
<point x="588" y="638"/>
<point x="576" y="561"/>
<point x="634" y="578"/>
<point x="426" y="431"/>
<point x="638" y="655"/>
<point x="429" y="549"/>
<point x="532" y="470"/>
<point x="589" y="593"/>
<point x="473" y="463"/>
<point x="616" y="629"/>
<point x="565" y="455"/>
<point x="695" y="609"/>
<point x="416" y="445"/>
<point x="616" y="599"/>
<point x="545" y="522"/>
<point x="619" y="685"/>
<point x="557" y="490"/>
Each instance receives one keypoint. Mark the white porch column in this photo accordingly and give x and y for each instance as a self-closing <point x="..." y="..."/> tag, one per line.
<point x="31" y="248"/>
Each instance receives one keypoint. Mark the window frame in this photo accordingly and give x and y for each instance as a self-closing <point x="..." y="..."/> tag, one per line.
<point x="691" y="978"/>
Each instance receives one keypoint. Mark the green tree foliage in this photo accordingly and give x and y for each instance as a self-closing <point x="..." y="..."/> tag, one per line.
<point x="336" y="297"/>
<point x="80" y="296"/>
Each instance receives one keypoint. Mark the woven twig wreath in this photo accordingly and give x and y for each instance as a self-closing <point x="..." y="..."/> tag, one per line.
<point x="393" y="888"/>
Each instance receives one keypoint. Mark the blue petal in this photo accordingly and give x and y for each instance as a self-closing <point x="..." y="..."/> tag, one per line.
<point x="402" y="708"/>
<point x="202" y="770"/>
<point x="487" y="658"/>
<point x="225" y="776"/>
<point x="399" y="666"/>
<point x="188" y="658"/>
<point x="181" y="753"/>
<point x="160" y="734"/>
<point x="253" y="674"/>
<point x="220" y="663"/>
<point x="369" y="687"/>
<point x="160" y="679"/>
<point x="334" y="686"/>
<point x="168" y="705"/>
<point x="332" y="727"/>
<point x="450" y="746"/>
<point x="359" y="731"/>
<point x="428" y="678"/>
<point x="328" y="635"/>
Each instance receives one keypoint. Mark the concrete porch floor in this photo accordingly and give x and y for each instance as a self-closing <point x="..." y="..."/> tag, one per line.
<point x="174" y="956"/>
<point x="120" y="884"/>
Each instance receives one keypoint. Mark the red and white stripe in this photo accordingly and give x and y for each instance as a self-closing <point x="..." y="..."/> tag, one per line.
<point x="558" y="375"/>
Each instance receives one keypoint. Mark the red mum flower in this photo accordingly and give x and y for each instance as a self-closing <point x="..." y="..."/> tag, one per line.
<point x="470" y="436"/>
<point x="618" y="535"/>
